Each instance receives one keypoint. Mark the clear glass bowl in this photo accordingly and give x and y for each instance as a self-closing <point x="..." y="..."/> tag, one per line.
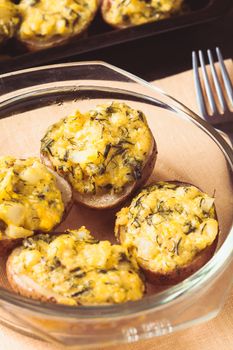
<point x="189" y="150"/>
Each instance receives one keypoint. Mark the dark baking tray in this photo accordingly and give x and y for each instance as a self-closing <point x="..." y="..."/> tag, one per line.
<point x="101" y="35"/>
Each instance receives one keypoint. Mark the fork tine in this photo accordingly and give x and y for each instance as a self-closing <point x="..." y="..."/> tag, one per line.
<point x="200" y="97"/>
<point x="209" y="93"/>
<point x="216" y="82"/>
<point x="225" y="76"/>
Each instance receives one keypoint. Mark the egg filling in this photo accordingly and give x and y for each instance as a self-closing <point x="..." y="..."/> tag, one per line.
<point x="167" y="225"/>
<point x="102" y="150"/>
<point x="9" y="20"/>
<point x="44" y="20"/>
<point x="29" y="198"/>
<point x="75" y="269"/>
<point x="134" y="12"/>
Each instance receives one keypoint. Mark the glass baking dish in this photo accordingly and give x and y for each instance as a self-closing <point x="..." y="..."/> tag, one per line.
<point x="100" y="35"/>
<point x="189" y="150"/>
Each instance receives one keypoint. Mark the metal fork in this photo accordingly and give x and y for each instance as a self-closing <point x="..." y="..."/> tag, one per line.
<point x="220" y="106"/>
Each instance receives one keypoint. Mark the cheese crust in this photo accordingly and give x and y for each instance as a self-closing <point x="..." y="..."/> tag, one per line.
<point x="30" y="199"/>
<point x="48" y="20"/>
<point x="126" y="13"/>
<point x="100" y="151"/>
<point x="9" y="20"/>
<point x="167" y="226"/>
<point x="74" y="269"/>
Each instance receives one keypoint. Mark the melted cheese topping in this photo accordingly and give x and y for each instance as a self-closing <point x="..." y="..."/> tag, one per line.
<point x="101" y="150"/>
<point x="49" y="19"/>
<point x="9" y="19"/>
<point x="167" y="225"/>
<point x="29" y="198"/>
<point x="125" y="13"/>
<point x="78" y="270"/>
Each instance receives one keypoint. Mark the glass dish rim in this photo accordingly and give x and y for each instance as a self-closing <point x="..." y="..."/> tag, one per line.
<point x="150" y="303"/>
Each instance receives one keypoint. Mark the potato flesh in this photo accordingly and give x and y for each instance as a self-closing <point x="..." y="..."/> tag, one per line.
<point x="29" y="198"/>
<point x="52" y="18"/>
<point x="79" y="270"/>
<point x="136" y="12"/>
<point x="102" y="150"/>
<point x="167" y="225"/>
<point x="9" y="19"/>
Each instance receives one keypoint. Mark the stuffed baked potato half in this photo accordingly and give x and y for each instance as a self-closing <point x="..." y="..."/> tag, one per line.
<point x="75" y="269"/>
<point x="105" y="153"/>
<point x="47" y="23"/>
<point x="172" y="230"/>
<point x="122" y="14"/>
<point x="9" y="20"/>
<point x="32" y="199"/>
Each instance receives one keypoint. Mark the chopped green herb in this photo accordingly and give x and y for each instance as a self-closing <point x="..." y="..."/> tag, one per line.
<point x="177" y="246"/>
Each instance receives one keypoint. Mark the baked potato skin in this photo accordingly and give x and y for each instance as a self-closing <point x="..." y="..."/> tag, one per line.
<point x="19" y="287"/>
<point x="78" y="280"/>
<point x="8" y="244"/>
<point x="180" y="272"/>
<point x="126" y="135"/>
<point x="9" y="20"/>
<point x="102" y="203"/>
<point x="33" y="46"/>
<point x="67" y="195"/>
<point x="42" y="42"/>
<point x="107" y="4"/>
